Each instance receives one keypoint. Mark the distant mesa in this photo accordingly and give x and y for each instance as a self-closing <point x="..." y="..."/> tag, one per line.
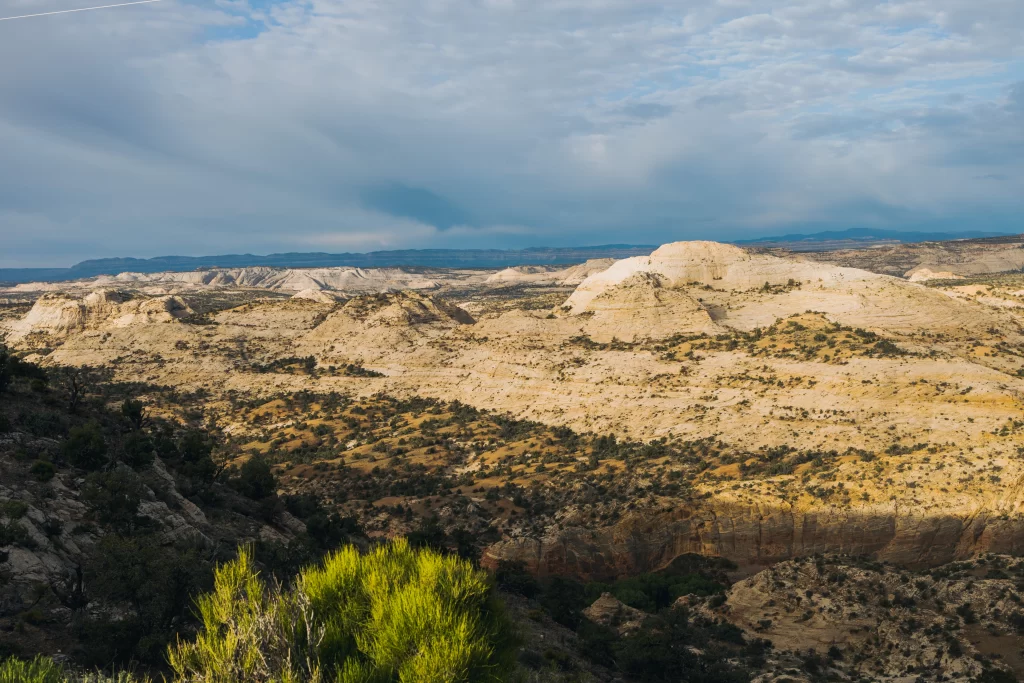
<point x="861" y="237"/>
<point x="407" y="258"/>
<point x="342" y="279"/>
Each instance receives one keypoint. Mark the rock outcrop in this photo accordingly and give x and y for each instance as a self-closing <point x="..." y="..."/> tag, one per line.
<point x="319" y="296"/>
<point x="643" y="307"/>
<point x="924" y="273"/>
<point x="59" y="315"/>
<point x="549" y="275"/>
<point x="575" y="275"/>
<point x="711" y="264"/>
<point x="525" y="274"/>
<point x="883" y="622"/>
<point x="755" y="537"/>
<point x="609" y="611"/>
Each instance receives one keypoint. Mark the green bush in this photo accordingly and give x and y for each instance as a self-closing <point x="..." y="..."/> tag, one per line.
<point x="38" y="670"/>
<point x="42" y="470"/>
<point x="11" y="367"/>
<point x="114" y="497"/>
<point x="85" y="447"/>
<point x="158" y="581"/>
<point x="255" y="479"/>
<point x="5" y="368"/>
<point x="13" y="533"/>
<point x="195" y="450"/>
<point x="394" y="614"/>
<point x="137" y="450"/>
<point x="45" y="670"/>
<point x="134" y="412"/>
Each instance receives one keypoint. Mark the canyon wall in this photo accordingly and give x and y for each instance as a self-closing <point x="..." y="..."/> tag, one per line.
<point x="755" y="537"/>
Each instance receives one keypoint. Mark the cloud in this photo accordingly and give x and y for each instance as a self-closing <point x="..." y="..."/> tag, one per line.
<point x="245" y="126"/>
<point x="396" y="199"/>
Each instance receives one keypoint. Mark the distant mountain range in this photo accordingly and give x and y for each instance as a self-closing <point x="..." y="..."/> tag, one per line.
<point x="464" y="258"/>
<point x="421" y="258"/>
<point x="837" y="239"/>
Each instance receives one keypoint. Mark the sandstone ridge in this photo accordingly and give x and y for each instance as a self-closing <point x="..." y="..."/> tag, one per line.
<point x="60" y="315"/>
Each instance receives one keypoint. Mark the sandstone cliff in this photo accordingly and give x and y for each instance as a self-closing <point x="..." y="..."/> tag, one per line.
<point x="758" y="536"/>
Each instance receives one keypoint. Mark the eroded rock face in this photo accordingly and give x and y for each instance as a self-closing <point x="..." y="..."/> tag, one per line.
<point x="757" y="537"/>
<point x="318" y="296"/>
<point x="59" y="315"/>
<point x="56" y="530"/>
<point x="644" y="307"/>
<point x="609" y="611"/>
<point x="711" y="264"/>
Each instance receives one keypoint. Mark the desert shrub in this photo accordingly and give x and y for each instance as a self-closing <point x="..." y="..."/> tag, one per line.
<point x="115" y="497"/>
<point x="255" y="479"/>
<point x="992" y="675"/>
<point x="45" y="670"/>
<point x="966" y="612"/>
<point x="194" y="460"/>
<point x="5" y="424"/>
<point x="885" y="347"/>
<point x="394" y="614"/>
<point x="12" y="367"/>
<point x="672" y="647"/>
<point x="13" y="533"/>
<point x="5" y="368"/>
<point x="85" y="447"/>
<point x="302" y="505"/>
<point x="14" y="509"/>
<point x="328" y="530"/>
<point x="134" y="412"/>
<point x="513" y="577"/>
<point x="42" y="470"/>
<point x="430" y="534"/>
<point x="564" y="599"/>
<point x="137" y="450"/>
<point x="38" y="670"/>
<point x="159" y="582"/>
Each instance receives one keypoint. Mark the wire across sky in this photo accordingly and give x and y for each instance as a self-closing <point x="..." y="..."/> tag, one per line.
<point x="81" y="9"/>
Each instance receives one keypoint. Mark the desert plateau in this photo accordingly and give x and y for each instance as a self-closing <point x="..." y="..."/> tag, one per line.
<point x="817" y="453"/>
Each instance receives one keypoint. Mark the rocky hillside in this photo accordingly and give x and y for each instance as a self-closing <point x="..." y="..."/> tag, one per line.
<point x="112" y="518"/>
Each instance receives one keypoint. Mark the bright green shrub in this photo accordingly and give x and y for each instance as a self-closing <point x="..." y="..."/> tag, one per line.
<point x="45" y="670"/>
<point x="38" y="670"/>
<point x="394" y="614"/>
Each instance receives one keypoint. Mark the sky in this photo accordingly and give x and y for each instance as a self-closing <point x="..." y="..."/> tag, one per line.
<point x="234" y="126"/>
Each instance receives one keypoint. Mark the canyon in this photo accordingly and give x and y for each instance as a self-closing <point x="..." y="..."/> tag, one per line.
<point x="776" y="406"/>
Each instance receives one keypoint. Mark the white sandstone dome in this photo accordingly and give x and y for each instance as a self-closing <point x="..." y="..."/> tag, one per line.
<point x="317" y="296"/>
<point x="62" y="315"/>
